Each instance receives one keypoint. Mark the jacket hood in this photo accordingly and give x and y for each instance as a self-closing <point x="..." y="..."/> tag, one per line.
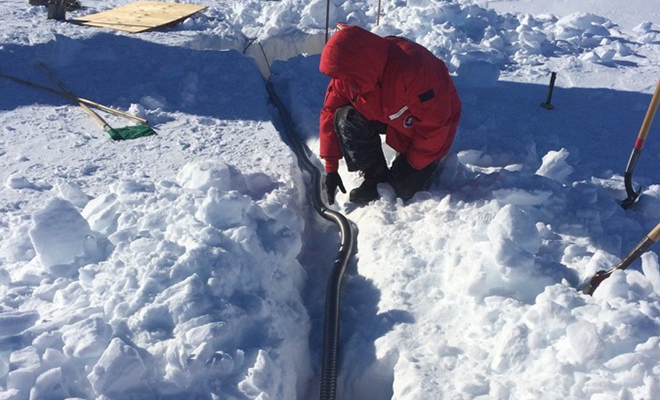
<point x="356" y="56"/>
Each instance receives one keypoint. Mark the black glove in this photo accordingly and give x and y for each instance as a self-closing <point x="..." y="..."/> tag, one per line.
<point x="332" y="182"/>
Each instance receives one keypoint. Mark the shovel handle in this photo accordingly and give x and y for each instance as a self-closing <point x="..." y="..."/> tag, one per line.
<point x="74" y="98"/>
<point x="648" y="119"/>
<point x="642" y="247"/>
<point x="84" y="106"/>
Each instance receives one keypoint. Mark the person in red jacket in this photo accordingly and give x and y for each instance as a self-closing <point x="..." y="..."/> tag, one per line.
<point x="390" y="86"/>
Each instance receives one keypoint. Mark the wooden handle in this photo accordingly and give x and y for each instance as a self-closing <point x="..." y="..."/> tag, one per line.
<point x="655" y="233"/>
<point x="73" y="97"/>
<point x="84" y="106"/>
<point x="650" y="113"/>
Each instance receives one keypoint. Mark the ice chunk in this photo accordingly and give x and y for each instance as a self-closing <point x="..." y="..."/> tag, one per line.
<point x="70" y="191"/>
<point x="470" y="156"/>
<point x="87" y="338"/>
<point x="650" y="268"/>
<point x="554" y="166"/>
<point x="514" y="237"/>
<point x="54" y="358"/>
<point x="207" y="174"/>
<point x="263" y="379"/>
<point x="48" y="386"/>
<point x="13" y="323"/>
<point x="119" y="369"/>
<point x="103" y="213"/>
<point x="613" y="287"/>
<point x="16" y="245"/>
<point x="586" y="23"/>
<point x="59" y="233"/>
<point x="223" y="210"/>
<point x="583" y="343"/>
<point x="16" y="181"/>
<point x="23" y="379"/>
<point x="521" y="197"/>
<point x="512" y="349"/>
<point x="24" y="358"/>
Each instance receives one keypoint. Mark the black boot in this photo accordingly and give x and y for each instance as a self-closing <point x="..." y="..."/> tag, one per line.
<point x="368" y="190"/>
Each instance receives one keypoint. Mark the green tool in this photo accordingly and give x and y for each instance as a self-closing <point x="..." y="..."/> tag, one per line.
<point x="129" y="132"/>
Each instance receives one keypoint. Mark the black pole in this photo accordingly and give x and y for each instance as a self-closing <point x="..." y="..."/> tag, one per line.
<point x="327" y="19"/>
<point x="547" y="105"/>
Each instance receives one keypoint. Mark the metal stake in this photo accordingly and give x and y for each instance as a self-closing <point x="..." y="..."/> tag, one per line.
<point x="547" y="104"/>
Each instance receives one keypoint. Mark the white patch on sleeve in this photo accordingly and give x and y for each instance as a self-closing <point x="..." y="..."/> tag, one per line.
<point x="398" y="113"/>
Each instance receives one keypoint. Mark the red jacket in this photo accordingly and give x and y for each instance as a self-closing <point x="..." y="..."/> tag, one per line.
<point x="392" y="80"/>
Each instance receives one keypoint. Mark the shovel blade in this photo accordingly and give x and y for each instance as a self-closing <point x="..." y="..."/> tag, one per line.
<point x="628" y="202"/>
<point x="130" y="132"/>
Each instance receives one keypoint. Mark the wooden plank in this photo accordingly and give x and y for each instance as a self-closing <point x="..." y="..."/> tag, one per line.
<point x="158" y="12"/>
<point x="141" y="16"/>
<point x="120" y="27"/>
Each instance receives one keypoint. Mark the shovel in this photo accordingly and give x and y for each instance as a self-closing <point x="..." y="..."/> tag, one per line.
<point x="637" y="149"/>
<point x="646" y="243"/>
<point x="129" y="132"/>
<point x="72" y="97"/>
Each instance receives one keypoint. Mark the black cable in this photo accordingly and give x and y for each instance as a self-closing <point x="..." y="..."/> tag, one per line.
<point x="330" y="362"/>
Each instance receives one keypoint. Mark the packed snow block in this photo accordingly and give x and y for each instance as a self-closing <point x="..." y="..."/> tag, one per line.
<point x="651" y="270"/>
<point x="477" y="74"/>
<point x="24" y="358"/>
<point x="186" y="299"/>
<point x="514" y="237"/>
<point x="155" y="319"/>
<point x="583" y="24"/>
<point x="23" y="379"/>
<point x="119" y="370"/>
<point x="263" y="380"/>
<point x="87" y="338"/>
<point x="15" y="322"/>
<point x="60" y="234"/>
<point x="11" y="394"/>
<point x="512" y="348"/>
<point x="616" y="286"/>
<point x="582" y="343"/>
<point x="71" y="192"/>
<point x="16" y="181"/>
<point x="102" y="213"/>
<point x="49" y="385"/>
<point x="48" y="340"/>
<point x="206" y="174"/>
<point x="223" y="210"/>
<point x="24" y="366"/>
<point x="53" y="358"/>
<point x="16" y="246"/>
<point x="554" y="166"/>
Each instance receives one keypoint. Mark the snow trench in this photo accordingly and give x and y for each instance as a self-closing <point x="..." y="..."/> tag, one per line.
<point x="189" y="267"/>
<point x="161" y="285"/>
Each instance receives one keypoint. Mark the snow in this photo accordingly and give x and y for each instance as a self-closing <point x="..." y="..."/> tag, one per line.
<point x="190" y="264"/>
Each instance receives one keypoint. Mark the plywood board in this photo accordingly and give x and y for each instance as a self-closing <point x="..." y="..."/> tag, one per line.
<point x="141" y="16"/>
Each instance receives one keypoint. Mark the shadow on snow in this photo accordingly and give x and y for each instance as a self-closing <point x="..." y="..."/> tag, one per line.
<point x="119" y="71"/>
